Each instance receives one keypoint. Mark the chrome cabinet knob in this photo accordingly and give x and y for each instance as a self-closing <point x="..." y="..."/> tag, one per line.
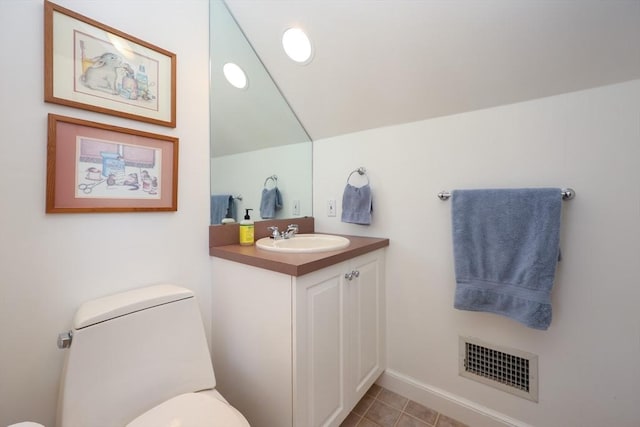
<point x="350" y="276"/>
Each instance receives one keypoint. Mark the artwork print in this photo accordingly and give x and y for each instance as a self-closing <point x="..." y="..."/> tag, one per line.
<point x="108" y="169"/>
<point x="111" y="70"/>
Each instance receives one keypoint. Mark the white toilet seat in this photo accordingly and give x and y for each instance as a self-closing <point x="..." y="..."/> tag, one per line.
<point x="191" y="410"/>
<point x="26" y="424"/>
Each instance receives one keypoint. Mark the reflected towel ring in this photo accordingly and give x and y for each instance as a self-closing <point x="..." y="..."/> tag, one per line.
<point x="273" y="178"/>
<point x="361" y="171"/>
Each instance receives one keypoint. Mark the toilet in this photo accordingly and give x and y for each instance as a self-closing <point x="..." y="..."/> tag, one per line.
<point x="140" y="359"/>
<point x="26" y="424"/>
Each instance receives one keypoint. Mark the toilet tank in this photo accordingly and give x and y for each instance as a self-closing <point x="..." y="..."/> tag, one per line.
<point x="130" y="352"/>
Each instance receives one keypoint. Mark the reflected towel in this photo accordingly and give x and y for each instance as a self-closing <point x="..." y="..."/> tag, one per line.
<point x="220" y="205"/>
<point x="357" y="204"/>
<point x="271" y="202"/>
<point x="506" y="248"/>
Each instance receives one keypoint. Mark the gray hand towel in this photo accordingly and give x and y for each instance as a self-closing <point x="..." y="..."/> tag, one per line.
<point x="270" y="202"/>
<point x="357" y="204"/>
<point x="506" y="247"/>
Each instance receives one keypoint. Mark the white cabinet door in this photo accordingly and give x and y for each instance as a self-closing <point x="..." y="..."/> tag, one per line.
<point x="320" y="348"/>
<point x="366" y="322"/>
<point x="339" y="338"/>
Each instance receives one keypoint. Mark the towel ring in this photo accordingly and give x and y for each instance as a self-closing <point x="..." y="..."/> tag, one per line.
<point x="273" y="178"/>
<point x="361" y="171"/>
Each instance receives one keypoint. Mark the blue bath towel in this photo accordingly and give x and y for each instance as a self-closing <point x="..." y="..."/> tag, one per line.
<point x="506" y="248"/>
<point x="357" y="204"/>
<point x="220" y="205"/>
<point x="271" y="202"/>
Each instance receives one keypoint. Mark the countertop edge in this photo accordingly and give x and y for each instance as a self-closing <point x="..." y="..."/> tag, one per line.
<point x="297" y="264"/>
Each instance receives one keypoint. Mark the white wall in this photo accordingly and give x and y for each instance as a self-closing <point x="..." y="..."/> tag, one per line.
<point x="589" y="140"/>
<point x="49" y="264"/>
<point x="245" y="174"/>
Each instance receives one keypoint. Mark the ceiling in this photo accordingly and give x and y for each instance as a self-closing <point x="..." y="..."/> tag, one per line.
<point x="385" y="62"/>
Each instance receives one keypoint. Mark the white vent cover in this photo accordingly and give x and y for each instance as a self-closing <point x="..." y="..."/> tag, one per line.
<point x="506" y="369"/>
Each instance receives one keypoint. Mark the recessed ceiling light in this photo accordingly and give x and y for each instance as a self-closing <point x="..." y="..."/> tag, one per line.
<point x="297" y="45"/>
<point x="235" y="75"/>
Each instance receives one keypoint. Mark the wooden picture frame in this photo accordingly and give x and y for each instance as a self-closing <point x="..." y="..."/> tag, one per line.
<point x="95" y="167"/>
<point x="92" y="66"/>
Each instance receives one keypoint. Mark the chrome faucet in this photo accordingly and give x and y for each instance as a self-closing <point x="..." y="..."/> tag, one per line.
<point x="275" y="234"/>
<point x="292" y="229"/>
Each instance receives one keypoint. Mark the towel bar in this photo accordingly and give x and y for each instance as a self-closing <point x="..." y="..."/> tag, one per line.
<point x="567" y="194"/>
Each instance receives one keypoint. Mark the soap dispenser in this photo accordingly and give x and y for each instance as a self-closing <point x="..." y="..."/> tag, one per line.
<point x="246" y="229"/>
<point x="228" y="219"/>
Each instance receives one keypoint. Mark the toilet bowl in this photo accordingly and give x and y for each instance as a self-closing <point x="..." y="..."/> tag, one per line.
<point x="141" y="359"/>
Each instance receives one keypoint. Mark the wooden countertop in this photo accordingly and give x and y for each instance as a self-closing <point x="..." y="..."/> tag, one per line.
<point x="297" y="264"/>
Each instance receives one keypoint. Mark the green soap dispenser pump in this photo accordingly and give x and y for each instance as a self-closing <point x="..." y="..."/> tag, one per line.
<point x="246" y="229"/>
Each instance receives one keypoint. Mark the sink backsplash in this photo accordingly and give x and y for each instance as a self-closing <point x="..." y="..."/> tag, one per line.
<point x="228" y="234"/>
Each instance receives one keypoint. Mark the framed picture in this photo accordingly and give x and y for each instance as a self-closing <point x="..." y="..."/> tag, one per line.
<point x="92" y="66"/>
<point x="94" y="167"/>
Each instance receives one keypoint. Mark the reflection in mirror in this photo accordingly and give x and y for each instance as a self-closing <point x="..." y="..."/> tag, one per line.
<point x="254" y="133"/>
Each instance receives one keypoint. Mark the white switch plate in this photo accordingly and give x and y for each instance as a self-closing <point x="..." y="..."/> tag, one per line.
<point x="296" y="207"/>
<point x="331" y="207"/>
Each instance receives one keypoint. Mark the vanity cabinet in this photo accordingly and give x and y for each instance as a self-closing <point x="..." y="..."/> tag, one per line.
<point x="298" y="351"/>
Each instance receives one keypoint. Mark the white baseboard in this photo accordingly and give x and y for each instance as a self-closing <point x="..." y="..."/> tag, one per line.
<point x="463" y="410"/>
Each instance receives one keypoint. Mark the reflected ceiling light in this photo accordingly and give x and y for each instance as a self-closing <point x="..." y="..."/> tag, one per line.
<point x="297" y="45"/>
<point x="235" y="75"/>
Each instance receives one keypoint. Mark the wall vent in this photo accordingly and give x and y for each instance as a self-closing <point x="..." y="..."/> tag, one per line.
<point x="506" y="369"/>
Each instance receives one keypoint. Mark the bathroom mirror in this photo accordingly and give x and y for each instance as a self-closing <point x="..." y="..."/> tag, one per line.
<point x="254" y="133"/>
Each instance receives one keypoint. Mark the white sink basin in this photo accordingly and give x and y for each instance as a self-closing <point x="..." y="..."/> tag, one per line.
<point x="304" y="243"/>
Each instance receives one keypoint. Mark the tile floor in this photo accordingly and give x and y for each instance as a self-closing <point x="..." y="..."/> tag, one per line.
<point x="383" y="408"/>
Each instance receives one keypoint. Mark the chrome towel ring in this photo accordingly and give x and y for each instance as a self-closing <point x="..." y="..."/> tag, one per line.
<point x="361" y="171"/>
<point x="273" y="178"/>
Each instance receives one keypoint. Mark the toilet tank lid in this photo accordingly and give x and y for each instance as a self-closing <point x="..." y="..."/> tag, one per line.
<point x="110" y="307"/>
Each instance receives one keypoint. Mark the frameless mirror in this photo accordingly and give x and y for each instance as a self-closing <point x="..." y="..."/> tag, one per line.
<point x="254" y="133"/>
